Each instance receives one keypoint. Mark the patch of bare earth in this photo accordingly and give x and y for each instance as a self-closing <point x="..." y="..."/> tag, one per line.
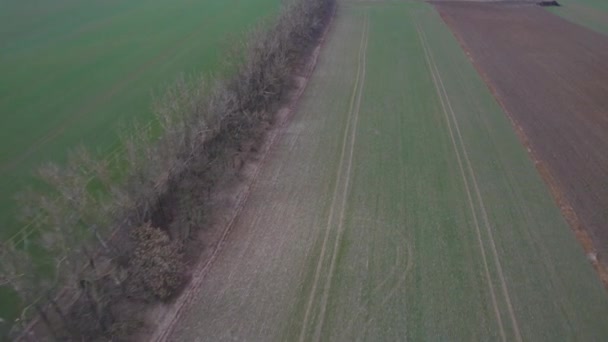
<point x="551" y="77"/>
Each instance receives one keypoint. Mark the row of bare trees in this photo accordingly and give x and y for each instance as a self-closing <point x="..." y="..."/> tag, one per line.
<point x="113" y="232"/>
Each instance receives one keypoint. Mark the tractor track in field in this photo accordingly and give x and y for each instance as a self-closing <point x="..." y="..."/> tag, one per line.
<point x="351" y="147"/>
<point x="440" y="88"/>
<point x="402" y="260"/>
<point x="348" y="142"/>
<point x="400" y="280"/>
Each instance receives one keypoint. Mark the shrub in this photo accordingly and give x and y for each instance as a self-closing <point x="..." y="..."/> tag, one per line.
<point x="157" y="267"/>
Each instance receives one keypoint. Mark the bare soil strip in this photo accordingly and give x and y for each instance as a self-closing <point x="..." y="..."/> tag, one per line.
<point x="551" y="78"/>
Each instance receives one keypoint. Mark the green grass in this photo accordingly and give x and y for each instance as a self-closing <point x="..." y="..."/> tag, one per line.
<point x="385" y="245"/>
<point x="592" y="14"/>
<point x="73" y="70"/>
<point x="593" y="4"/>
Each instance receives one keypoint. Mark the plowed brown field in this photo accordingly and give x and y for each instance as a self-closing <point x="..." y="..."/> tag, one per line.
<point x="552" y="78"/>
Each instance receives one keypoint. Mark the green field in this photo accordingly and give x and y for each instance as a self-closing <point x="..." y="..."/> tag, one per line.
<point x="592" y="14"/>
<point x="398" y="205"/>
<point x="72" y="70"/>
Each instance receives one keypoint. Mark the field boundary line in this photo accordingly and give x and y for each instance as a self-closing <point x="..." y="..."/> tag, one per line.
<point x="466" y="184"/>
<point x="482" y="206"/>
<point x="335" y="195"/>
<point x="345" y="192"/>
